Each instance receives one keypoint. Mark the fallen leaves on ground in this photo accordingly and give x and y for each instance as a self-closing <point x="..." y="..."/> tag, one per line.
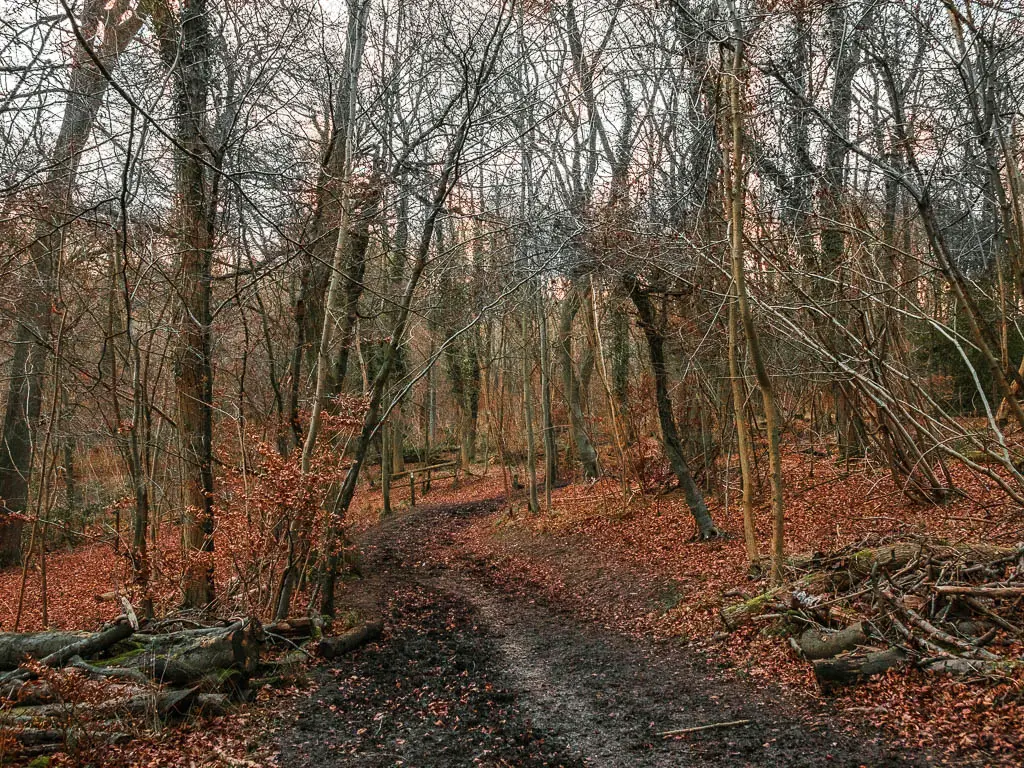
<point x="631" y="565"/>
<point x="635" y="568"/>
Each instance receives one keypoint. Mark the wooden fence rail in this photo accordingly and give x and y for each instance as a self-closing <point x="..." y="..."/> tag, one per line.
<point x="426" y="474"/>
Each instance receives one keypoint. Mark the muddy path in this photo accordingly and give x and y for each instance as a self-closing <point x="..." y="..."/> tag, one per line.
<point x="469" y="676"/>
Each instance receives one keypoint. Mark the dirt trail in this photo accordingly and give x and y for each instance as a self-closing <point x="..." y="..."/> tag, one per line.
<point x="469" y="676"/>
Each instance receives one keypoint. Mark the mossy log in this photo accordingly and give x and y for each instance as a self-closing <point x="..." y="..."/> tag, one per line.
<point x="219" y="657"/>
<point x="216" y="658"/>
<point x="739" y="614"/>
<point x="56" y="648"/>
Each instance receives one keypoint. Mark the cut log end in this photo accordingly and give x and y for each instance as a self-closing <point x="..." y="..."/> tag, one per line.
<point x="818" y="644"/>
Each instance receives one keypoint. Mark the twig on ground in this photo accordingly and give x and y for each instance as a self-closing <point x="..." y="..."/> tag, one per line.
<point x="711" y="726"/>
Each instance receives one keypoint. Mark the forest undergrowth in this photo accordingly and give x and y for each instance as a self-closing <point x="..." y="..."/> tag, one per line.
<point x="634" y="568"/>
<point x="631" y="565"/>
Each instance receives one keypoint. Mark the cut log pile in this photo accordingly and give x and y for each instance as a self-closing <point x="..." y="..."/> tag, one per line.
<point x="60" y="690"/>
<point x="862" y="611"/>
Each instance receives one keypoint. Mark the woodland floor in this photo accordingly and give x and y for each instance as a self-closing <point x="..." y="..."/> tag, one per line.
<point x="575" y="636"/>
<point x="471" y="672"/>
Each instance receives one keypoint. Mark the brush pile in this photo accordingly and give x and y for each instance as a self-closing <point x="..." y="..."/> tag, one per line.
<point x="864" y="610"/>
<point x="79" y="692"/>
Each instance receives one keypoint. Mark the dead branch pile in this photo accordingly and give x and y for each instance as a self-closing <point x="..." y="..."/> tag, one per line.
<point x="69" y="690"/>
<point x="861" y="611"/>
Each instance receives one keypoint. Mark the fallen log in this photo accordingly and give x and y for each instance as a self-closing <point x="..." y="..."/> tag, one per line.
<point x="219" y="657"/>
<point x="163" y="704"/>
<point x="90" y="646"/>
<point x="31" y="742"/>
<point x="55" y="648"/>
<point x="173" y="637"/>
<point x="994" y="617"/>
<point x="971" y="629"/>
<point x="860" y="563"/>
<point x="921" y="642"/>
<point x="947" y="639"/>
<point x="824" y="644"/>
<point x="15" y="646"/>
<point x="286" y="662"/>
<point x="739" y="614"/>
<point x="332" y="647"/>
<point x="984" y="591"/>
<point x="34" y="737"/>
<point x="301" y="626"/>
<point x="107" y="672"/>
<point x="844" y="670"/>
<point x="212" y="704"/>
<point x="898" y="555"/>
<point x="26" y="692"/>
<point x="962" y="666"/>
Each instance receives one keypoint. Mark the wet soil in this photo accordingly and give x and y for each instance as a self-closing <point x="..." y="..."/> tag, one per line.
<point x="470" y="675"/>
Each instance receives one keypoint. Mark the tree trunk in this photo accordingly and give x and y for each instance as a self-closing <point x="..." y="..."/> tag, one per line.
<point x="355" y="42"/>
<point x="743" y="445"/>
<point x="358" y="244"/>
<point x="397" y="441"/>
<point x="32" y="324"/>
<point x="620" y="361"/>
<point x="550" y="449"/>
<point x="596" y="343"/>
<point x="194" y="370"/>
<point x="669" y="432"/>
<point x="845" y="51"/>
<point x="386" y="456"/>
<point x="737" y="193"/>
<point x="342" y="170"/>
<point x="295" y="367"/>
<point x="531" y="449"/>
<point x="585" y="452"/>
